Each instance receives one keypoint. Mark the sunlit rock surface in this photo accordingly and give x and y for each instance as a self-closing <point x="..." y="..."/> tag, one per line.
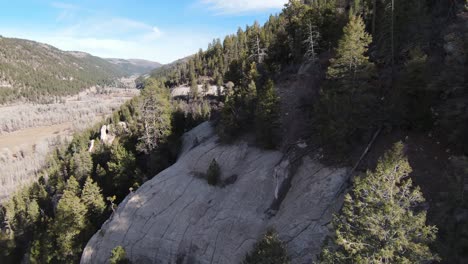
<point x="178" y="218"/>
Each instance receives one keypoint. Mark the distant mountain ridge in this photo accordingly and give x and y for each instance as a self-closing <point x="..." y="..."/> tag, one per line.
<point x="38" y="72"/>
<point x="135" y="66"/>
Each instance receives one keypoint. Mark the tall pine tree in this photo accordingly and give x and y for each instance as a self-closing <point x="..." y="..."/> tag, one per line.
<point x="351" y="61"/>
<point x="380" y="221"/>
<point x="346" y="107"/>
<point x="69" y="222"/>
<point x="92" y="198"/>
<point x="267" y="115"/>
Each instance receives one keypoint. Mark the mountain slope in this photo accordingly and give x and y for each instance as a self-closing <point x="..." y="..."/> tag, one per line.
<point x="135" y="66"/>
<point x="36" y="71"/>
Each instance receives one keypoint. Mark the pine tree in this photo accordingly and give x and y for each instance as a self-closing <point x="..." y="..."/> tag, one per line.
<point x="193" y="88"/>
<point x="351" y="59"/>
<point x="379" y="222"/>
<point x="213" y="173"/>
<point x="269" y="250"/>
<point x="20" y="218"/>
<point x="267" y="115"/>
<point x="229" y="125"/>
<point x="81" y="165"/>
<point x="42" y="249"/>
<point x="69" y="222"/>
<point x="92" y="198"/>
<point x="206" y="88"/>
<point x="347" y="104"/>
<point x="294" y="12"/>
<point x="122" y="167"/>
<point x="155" y="119"/>
<point x="119" y="256"/>
<point x="249" y="94"/>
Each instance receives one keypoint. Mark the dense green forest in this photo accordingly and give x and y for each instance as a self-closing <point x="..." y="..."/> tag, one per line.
<point x="384" y="66"/>
<point x="38" y="72"/>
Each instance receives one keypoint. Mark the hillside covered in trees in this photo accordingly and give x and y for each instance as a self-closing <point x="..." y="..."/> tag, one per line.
<point x="384" y="71"/>
<point x="38" y="72"/>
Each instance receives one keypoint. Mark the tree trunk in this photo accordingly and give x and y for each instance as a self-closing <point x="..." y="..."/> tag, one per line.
<point x="393" y="37"/>
<point x="374" y="15"/>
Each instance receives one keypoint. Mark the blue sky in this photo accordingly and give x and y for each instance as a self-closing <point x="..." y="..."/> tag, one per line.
<point x="155" y="30"/>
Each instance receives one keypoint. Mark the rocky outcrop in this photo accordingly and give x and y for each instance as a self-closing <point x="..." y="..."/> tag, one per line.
<point x="106" y="135"/>
<point x="177" y="217"/>
<point x="185" y="91"/>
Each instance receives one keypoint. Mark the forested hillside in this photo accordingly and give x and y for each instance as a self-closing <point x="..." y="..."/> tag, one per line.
<point x="37" y="72"/>
<point x="385" y="69"/>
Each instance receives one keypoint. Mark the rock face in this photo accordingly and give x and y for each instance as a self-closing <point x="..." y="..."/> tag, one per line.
<point x="178" y="218"/>
<point x="106" y="136"/>
<point x="185" y="90"/>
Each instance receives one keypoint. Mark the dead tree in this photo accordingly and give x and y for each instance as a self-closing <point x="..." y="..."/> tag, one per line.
<point x="258" y="53"/>
<point x="311" y="43"/>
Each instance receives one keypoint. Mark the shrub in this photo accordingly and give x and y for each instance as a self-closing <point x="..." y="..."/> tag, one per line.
<point x="119" y="256"/>
<point x="269" y="250"/>
<point x="214" y="173"/>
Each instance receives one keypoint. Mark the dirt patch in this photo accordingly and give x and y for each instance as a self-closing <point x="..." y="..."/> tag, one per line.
<point x="297" y="94"/>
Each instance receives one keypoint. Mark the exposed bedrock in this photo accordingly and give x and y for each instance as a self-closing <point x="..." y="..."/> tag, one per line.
<point x="177" y="217"/>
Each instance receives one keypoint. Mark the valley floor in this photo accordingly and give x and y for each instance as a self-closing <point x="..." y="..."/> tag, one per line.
<point x="29" y="131"/>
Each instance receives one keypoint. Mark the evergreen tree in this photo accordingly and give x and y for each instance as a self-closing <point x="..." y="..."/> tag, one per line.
<point x="91" y="197"/>
<point x="267" y="115"/>
<point x="347" y="104"/>
<point x="20" y="218"/>
<point x="81" y="165"/>
<point x="69" y="222"/>
<point x="155" y="119"/>
<point x="193" y="89"/>
<point x="206" y="88"/>
<point x="294" y="12"/>
<point x="213" y="174"/>
<point x="122" y="168"/>
<point x="379" y="222"/>
<point x="250" y="82"/>
<point x="412" y="100"/>
<point x="119" y="256"/>
<point x="73" y="186"/>
<point x="351" y="59"/>
<point x="269" y="250"/>
<point x="42" y="250"/>
<point x="229" y="124"/>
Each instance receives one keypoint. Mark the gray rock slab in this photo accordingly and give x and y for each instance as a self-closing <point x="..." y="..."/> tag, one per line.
<point x="176" y="217"/>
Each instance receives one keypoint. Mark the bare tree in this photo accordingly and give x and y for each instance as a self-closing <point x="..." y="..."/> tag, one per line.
<point x="258" y="52"/>
<point x="311" y="42"/>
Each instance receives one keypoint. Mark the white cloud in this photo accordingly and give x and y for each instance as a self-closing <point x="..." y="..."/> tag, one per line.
<point x="243" y="6"/>
<point x="66" y="11"/>
<point x="110" y="26"/>
<point x="154" y="34"/>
